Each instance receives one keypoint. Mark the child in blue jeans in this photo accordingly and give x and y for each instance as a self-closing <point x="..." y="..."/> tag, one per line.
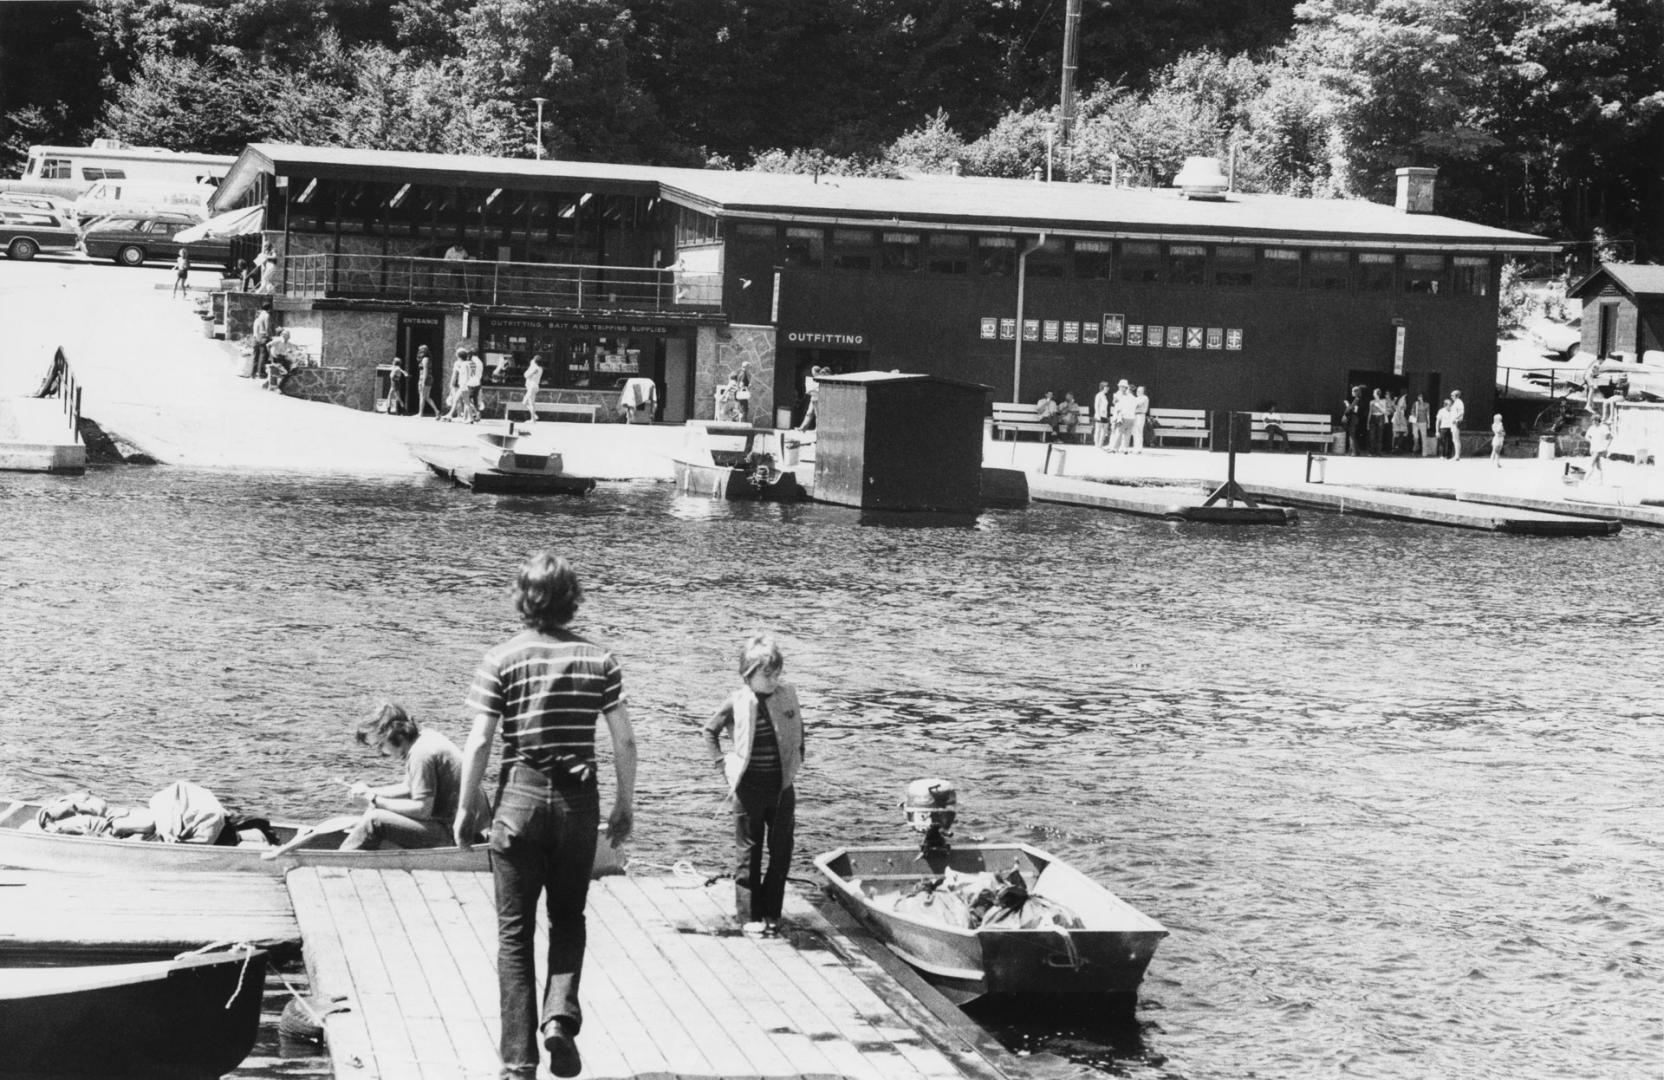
<point x="759" y="769"/>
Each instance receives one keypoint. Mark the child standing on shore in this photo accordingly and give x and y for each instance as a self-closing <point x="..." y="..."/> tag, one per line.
<point x="1496" y="440"/>
<point x="759" y="769"/>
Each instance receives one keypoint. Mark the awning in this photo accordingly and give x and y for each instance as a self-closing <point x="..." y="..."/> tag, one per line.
<point x="232" y="223"/>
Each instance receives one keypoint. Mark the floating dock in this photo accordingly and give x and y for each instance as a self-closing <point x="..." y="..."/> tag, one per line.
<point x="463" y="467"/>
<point x="1433" y="510"/>
<point x="671" y="988"/>
<point x="1582" y="503"/>
<point x="44" y="912"/>
<point x="1180" y="503"/>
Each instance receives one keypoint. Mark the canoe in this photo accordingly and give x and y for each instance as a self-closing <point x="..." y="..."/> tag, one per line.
<point x="32" y="850"/>
<point x="193" y="1016"/>
<point x="1106" y="956"/>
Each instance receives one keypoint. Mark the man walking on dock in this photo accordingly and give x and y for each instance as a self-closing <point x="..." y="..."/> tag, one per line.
<point x="545" y="687"/>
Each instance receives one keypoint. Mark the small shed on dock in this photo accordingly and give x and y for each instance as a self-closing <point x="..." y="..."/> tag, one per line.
<point x="1623" y="310"/>
<point x="892" y="441"/>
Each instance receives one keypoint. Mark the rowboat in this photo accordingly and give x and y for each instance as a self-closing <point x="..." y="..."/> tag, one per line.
<point x="725" y="460"/>
<point x="194" y="1016"/>
<point x="1106" y="955"/>
<point x="25" y="847"/>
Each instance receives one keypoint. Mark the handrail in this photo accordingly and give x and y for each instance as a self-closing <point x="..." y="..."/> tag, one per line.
<point x="569" y="286"/>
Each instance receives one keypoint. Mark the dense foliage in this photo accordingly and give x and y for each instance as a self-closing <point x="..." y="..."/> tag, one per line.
<point x="1541" y="114"/>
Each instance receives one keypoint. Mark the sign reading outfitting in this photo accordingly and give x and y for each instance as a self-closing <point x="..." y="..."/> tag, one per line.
<point x="806" y="337"/>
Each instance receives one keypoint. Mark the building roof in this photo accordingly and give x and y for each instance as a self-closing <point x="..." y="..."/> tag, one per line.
<point x="972" y="203"/>
<point x="1632" y="278"/>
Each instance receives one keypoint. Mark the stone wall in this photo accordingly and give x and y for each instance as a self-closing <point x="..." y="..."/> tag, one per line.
<point x="721" y="350"/>
<point x="355" y="343"/>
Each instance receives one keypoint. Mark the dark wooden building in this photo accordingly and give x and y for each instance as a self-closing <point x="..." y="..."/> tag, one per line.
<point x="1210" y="299"/>
<point x="893" y="441"/>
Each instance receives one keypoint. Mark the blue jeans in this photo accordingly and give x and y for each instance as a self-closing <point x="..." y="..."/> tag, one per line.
<point x="542" y="842"/>
<point x="766" y="818"/>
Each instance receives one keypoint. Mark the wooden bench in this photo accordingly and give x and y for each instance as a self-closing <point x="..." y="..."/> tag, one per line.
<point x="1191" y="424"/>
<point x="1015" y="417"/>
<point x="1313" y="428"/>
<point x="570" y="410"/>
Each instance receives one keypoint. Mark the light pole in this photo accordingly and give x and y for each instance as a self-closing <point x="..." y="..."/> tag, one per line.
<point x="538" y="148"/>
<point x="1050" y="129"/>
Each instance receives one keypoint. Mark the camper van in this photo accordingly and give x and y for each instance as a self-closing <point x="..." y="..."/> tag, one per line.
<point x="132" y="197"/>
<point x="68" y="171"/>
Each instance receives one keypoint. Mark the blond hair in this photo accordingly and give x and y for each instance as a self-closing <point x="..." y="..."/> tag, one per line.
<point x="760" y="653"/>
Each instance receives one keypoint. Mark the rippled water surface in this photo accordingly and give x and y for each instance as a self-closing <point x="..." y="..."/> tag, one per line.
<point x="1392" y="788"/>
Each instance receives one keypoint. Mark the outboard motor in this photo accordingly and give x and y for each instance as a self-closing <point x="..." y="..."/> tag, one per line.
<point x="930" y="809"/>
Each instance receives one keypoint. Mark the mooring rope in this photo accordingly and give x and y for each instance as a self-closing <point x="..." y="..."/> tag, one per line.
<point x="248" y="951"/>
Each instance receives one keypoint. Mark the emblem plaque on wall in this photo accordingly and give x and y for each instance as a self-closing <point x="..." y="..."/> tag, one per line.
<point x="1115" y="329"/>
<point x="1071" y="333"/>
<point x="990" y="329"/>
<point x="1233" y="339"/>
<point x="1175" y="337"/>
<point x="1031" y="329"/>
<point x="1193" y="337"/>
<point x="1051" y="329"/>
<point x="1008" y="329"/>
<point x="1135" y="334"/>
<point x="1089" y="333"/>
<point x="1154" y="336"/>
<point x="1216" y="338"/>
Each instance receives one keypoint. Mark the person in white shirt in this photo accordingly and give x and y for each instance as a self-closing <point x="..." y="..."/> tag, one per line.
<point x="1100" y="416"/>
<point x="1140" y="416"/>
<point x="1600" y="444"/>
<point x="1457" y="412"/>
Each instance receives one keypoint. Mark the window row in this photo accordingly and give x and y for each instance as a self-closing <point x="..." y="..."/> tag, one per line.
<point x="1237" y="266"/>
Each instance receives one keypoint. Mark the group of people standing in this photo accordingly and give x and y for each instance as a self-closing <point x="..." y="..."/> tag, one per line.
<point x="1385" y="423"/>
<point x="546" y="690"/>
<point x="1119" y="419"/>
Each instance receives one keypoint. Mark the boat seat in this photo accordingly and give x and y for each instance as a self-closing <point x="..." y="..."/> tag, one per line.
<point x="15" y="811"/>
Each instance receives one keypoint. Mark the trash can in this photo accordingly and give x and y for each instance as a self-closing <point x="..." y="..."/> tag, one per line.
<point x="1316" y="466"/>
<point x="1547" y="448"/>
<point x="791" y="450"/>
<point x="1337" y="443"/>
<point x="1430" y="444"/>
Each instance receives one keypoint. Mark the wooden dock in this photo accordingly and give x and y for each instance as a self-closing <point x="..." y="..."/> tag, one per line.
<point x="42" y="912"/>
<point x="1432" y="510"/>
<point x="1175" y="503"/>
<point x="670" y="987"/>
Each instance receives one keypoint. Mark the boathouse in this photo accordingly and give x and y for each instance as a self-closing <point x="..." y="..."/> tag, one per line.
<point x="1211" y="299"/>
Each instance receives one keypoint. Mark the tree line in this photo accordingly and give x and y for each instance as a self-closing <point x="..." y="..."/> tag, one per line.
<point x="1543" y="115"/>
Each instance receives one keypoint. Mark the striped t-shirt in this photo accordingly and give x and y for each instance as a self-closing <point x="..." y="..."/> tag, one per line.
<point x="547" y="692"/>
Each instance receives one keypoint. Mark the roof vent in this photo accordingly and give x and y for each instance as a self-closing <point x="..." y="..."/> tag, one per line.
<point x="1201" y="178"/>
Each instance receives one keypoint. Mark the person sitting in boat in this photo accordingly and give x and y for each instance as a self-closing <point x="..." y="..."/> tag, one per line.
<point x="420" y="810"/>
<point x="767" y="751"/>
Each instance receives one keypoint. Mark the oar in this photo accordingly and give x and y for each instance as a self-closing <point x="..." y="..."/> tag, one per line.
<point x="341" y="824"/>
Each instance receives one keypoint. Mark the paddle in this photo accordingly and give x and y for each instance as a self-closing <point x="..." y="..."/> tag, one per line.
<point x="340" y="824"/>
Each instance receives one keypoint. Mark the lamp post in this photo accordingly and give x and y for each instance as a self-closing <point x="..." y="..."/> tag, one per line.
<point x="1050" y="129"/>
<point x="538" y="147"/>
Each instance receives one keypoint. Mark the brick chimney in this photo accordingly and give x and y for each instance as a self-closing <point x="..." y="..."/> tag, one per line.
<point x="1415" y="190"/>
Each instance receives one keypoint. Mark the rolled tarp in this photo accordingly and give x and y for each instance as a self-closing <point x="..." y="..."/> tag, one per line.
<point x="231" y="223"/>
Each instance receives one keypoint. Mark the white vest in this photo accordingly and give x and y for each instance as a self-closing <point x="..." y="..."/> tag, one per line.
<point x="787" y="718"/>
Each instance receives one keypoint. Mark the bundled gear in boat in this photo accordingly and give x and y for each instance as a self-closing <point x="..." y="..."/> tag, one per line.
<point x="181" y="813"/>
<point x="985" y="900"/>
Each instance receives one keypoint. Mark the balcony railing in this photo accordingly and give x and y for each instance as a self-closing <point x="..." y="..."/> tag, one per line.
<point x="558" y="286"/>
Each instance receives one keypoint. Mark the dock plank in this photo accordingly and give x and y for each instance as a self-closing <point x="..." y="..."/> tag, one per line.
<point x="808" y="1016"/>
<point x="160" y="913"/>
<point x="346" y="1030"/>
<point x="671" y="989"/>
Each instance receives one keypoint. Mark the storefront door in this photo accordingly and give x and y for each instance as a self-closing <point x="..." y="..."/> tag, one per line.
<point x="414" y="332"/>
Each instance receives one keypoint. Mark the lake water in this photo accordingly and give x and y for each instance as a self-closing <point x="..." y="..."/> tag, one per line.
<point x="1392" y="788"/>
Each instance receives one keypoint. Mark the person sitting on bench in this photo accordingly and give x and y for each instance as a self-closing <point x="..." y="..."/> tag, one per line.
<point x="1274" y="432"/>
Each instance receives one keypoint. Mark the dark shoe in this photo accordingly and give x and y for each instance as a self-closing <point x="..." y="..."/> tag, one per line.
<point x="563" y="1052"/>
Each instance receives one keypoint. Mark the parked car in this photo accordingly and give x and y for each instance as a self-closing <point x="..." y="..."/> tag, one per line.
<point x="25" y="232"/>
<point x="134" y="240"/>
